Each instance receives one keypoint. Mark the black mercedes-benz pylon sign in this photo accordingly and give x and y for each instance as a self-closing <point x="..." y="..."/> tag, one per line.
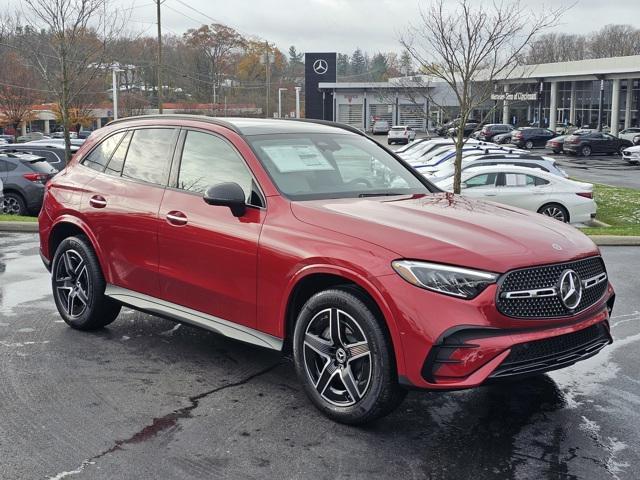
<point x="318" y="67"/>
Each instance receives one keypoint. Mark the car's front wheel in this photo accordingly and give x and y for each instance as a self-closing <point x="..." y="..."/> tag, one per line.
<point x="78" y="286"/>
<point x="585" y="151"/>
<point x="344" y="358"/>
<point x="528" y="145"/>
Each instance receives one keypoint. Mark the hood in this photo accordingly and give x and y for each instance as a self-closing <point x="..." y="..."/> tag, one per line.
<point x="447" y="228"/>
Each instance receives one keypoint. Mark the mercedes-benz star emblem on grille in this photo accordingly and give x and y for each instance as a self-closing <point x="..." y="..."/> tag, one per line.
<point x="570" y="289"/>
<point x="320" y="66"/>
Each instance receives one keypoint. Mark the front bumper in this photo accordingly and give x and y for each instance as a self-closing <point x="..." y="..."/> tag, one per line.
<point x="451" y="344"/>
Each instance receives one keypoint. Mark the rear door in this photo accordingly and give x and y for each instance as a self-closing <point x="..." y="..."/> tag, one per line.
<point x="518" y="189"/>
<point x="121" y="203"/>
<point x="208" y="257"/>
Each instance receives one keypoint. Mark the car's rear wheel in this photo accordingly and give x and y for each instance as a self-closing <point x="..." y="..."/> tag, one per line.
<point x="78" y="286"/>
<point x="14" y="204"/>
<point x="585" y="151"/>
<point x="344" y="358"/>
<point x="556" y="211"/>
<point x="528" y="144"/>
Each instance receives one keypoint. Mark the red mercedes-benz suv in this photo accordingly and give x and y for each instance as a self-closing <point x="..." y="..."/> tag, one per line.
<point x="310" y="237"/>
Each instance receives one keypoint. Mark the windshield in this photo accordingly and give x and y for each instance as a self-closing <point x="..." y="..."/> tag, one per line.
<point x="319" y="166"/>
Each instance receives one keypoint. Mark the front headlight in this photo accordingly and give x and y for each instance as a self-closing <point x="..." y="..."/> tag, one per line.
<point x="456" y="281"/>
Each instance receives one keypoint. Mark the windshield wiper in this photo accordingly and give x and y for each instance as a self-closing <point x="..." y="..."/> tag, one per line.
<point x="364" y="195"/>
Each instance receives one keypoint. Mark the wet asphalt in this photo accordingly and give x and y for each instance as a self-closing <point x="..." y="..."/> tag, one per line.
<point x="147" y="399"/>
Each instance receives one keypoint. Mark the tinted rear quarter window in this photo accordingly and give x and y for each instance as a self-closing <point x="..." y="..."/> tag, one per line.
<point x="149" y="155"/>
<point x="117" y="159"/>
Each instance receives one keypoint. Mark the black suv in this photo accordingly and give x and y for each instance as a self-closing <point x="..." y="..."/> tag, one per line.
<point x="530" y="137"/>
<point x="590" y="142"/>
<point x="24" y="177"/>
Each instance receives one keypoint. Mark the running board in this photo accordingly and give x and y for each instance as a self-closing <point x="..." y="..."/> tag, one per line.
<point x="162" y="308"/>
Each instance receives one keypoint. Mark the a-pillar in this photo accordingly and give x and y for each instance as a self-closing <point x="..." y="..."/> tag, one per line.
<point x="505" y="106"/>
<point x="572" y="104"/>
<point x="553" y="106"/>
<point x="615" y="107"/>
<point x="47" y="130"/>
<point x="627" y="105"/>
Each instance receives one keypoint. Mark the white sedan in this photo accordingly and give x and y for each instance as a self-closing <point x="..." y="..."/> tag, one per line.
<point x="565" y="200"/>
<point x="632" y="155"/>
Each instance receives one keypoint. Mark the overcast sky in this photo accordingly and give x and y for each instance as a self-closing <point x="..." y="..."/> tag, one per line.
<point x="342" y="25"/>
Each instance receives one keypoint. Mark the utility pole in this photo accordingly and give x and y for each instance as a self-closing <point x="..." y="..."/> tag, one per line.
<point x="159" y="80"/>
<point x="267" y="74"/>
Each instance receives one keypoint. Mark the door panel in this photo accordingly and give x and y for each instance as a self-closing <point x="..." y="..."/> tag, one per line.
<point x="208" y="257"/>
<point x="208" y="262"/>
<point x="126" y="228"/>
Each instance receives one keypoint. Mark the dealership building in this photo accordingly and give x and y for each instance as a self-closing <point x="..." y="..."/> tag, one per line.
<point x="583" y="93"/>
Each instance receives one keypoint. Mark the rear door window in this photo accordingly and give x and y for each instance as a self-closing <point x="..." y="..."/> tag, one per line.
<point x="149" y="155"/>
<point x="117" y="159"/>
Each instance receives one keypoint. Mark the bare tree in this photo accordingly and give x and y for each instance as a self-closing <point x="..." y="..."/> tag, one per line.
<point x="557" y="47"/>
<point x="471" y="46"/>
<point x="614" y="41"/>
<point x="17" y="92"/>
<point x="67" y="44"/>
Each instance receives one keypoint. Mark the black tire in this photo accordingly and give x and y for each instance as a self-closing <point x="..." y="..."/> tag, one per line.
<point x="556" y="151"/>
<point x="14" y="204"/>
<point x="360" y="355"/>
<point x="78" y="286"/>
<point x="621" y="148"/>
<point x="585" y="151"/>
<point x="389" y="142"/>
<point x="556" y="211"/>
<point x="528" y="145"/>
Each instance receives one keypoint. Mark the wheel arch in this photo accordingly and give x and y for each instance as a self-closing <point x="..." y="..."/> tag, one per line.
<point x="69" y="226"/>
<point x="313" y="279"/>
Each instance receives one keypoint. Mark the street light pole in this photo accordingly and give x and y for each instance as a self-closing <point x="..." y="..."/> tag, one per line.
<point x="280" y="90"/>
<point x="298" y="101"/>
<point x="115" y="68"/>
<point x="600" y="104"/>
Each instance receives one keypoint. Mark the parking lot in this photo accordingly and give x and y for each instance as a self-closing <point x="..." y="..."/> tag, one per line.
<point x="148" y="399"/>
<point x="606" y="169"/>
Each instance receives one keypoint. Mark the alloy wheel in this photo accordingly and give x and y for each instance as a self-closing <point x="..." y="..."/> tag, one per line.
<point x="11" y="206"/>
<point x="337" y="357"/>
<point x="528" y="145"/>
<point x="72" y="283"/>
<point x="555" y="212"/>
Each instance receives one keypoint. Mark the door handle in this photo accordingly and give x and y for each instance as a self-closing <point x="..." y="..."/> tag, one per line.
<point x="174" y="217"/>
<point x="98" y="201"/>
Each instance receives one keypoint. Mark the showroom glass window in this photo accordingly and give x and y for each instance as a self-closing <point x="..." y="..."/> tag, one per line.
<point x="149" y="155"/>
<point x="208" y="160"/>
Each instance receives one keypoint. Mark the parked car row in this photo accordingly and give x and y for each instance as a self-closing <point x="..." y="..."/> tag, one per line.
<point x="510" y="176"/>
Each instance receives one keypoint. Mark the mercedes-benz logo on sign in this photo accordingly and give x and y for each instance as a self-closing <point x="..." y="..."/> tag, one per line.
<point x="570" y="291"/>
<point x="320" y="66"/>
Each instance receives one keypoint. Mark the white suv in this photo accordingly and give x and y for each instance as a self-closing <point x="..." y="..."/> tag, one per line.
<point x="401" y="134"/>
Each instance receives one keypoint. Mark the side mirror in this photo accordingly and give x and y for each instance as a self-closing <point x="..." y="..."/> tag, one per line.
<point x="228" y="194"/>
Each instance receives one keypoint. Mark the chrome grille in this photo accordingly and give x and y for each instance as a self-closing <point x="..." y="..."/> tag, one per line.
<point x="533" y="292"/>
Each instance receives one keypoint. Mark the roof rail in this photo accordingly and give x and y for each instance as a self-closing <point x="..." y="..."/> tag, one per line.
<point x="179" y="116"/>
<point x="329" y="123"/>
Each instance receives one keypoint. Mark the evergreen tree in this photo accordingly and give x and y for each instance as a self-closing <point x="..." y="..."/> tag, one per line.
<point x="343" y="64"/>
<point x="406" y="65"/>
<point x="358" y="63"/>
<point x="379" y="67"/>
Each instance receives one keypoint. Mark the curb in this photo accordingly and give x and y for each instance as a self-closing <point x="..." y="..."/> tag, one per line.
<point x="615" y="240"/>
<point x="25" y="227"/>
